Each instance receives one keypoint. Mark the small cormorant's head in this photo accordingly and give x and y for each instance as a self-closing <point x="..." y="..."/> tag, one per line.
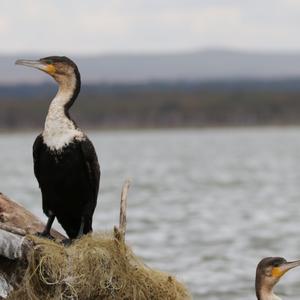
<point x="61" y="68"/>
<point x="270" y="270"/>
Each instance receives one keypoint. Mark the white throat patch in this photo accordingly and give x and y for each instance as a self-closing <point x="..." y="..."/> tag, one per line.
<point x="59" y="130"/>
<point x="269" y="296"/>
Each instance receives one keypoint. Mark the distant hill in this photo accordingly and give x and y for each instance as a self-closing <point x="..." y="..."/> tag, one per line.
<point x="194" y="66"/>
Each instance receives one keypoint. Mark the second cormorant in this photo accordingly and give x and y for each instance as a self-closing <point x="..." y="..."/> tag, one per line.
<point x="268" y="272"/>
<point x="65" y="161"/>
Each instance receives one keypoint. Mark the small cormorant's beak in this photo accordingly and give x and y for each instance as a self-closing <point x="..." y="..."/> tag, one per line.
<point x="281" y="270"/>
<point x="37" y="64"/>
<point x="290" y="265"/>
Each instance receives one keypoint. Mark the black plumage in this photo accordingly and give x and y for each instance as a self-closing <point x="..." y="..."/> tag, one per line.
<point x="69" y="182"/>
<point x="65" y="161"/>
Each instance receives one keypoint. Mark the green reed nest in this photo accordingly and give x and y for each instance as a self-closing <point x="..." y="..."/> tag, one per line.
<point x="97" y="266"/>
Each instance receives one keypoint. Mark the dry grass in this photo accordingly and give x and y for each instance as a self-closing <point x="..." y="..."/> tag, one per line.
<point x="94" y="267"/>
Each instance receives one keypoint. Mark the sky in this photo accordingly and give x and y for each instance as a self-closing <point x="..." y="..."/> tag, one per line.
<point x="91" y="27"/>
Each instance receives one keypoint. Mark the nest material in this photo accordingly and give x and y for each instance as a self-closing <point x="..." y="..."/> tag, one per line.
<point x="94" y="267"/>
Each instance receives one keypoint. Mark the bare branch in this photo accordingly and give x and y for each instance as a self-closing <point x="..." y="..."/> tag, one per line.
<point x="123" y="208"/>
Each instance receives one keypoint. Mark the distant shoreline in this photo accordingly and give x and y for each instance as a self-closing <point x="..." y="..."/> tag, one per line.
<point x="160" y="105"/>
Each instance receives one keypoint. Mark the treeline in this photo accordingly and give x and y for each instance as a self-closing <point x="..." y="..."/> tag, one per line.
<point x="239" y="103"/>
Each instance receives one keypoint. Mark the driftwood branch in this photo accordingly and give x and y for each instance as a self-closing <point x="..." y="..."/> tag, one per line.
<point x="121" y="231"/>
<point x="123" y="208"/>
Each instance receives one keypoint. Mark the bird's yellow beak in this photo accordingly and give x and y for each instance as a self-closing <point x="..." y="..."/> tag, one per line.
<point x="281" y="270"/>
<point x="37" y="64"/>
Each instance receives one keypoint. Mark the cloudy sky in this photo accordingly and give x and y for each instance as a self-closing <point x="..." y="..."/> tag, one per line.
<point x="106" y="26"/>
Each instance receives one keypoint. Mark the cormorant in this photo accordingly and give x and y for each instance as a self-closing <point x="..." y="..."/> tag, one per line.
<point x="65" y="161"/>
<point x="268" y="273"/>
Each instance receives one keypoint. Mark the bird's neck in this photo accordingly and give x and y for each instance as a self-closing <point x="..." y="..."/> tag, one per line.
<point x="266" y="294"/>
<point x="58" y="110"/>
<point x="59" y="129"/>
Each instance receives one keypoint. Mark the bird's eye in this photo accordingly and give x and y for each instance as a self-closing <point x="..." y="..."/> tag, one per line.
<point x="268" y="273"/>
<point x="49" y="62"/>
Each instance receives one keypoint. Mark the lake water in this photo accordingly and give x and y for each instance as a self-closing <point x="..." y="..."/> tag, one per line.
<point x="205" y="205"/>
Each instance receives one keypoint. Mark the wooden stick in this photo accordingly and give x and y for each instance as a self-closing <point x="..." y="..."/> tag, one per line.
<point x="123" y="208"/>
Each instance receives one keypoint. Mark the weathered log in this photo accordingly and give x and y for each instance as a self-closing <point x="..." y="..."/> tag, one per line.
<point x="15" y="224"/>
<point x="16" y="219"/>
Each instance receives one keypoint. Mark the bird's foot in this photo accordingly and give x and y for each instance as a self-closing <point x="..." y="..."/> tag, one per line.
<point x="67" y="242"/>
<point x="45" y="235"/>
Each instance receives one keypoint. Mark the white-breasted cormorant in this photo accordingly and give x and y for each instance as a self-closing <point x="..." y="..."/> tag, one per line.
<point x="268" y="272"/>
<point x="65" y="161"/>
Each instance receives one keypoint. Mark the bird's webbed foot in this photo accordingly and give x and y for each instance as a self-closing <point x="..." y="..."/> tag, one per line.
<point x="46" y="232"/>
<point x="67" y="242"/>
<point x="45" y="235"/>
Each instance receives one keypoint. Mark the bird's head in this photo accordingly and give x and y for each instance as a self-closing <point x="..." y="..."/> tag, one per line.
<point x="270" y="270"/>
<point x="61" y="68"/>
